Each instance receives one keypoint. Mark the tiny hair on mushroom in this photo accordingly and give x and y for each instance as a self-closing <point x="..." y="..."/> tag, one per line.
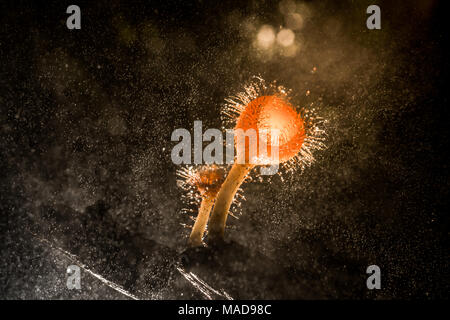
<point x="264" y="108"/>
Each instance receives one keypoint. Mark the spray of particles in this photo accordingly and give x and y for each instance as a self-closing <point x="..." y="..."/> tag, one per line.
<point x="203" y="184"/>
<point x="264" y="107"/>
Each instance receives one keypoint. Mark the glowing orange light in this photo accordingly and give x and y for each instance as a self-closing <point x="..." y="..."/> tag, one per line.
<point x="274" y="113"/>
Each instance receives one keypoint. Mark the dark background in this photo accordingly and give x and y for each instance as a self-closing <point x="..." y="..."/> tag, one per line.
<point x="85" y="124"/>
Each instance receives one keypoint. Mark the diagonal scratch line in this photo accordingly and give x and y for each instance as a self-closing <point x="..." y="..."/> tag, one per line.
<point x="225" y="294"/>
<point x="201" y="285"/>
<point x="202" y="289"/>
<point x="204" y="284"/>
<point x="74" y="259"/>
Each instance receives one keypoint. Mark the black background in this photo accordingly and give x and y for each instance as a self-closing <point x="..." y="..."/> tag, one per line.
<point x="86" y="117"/>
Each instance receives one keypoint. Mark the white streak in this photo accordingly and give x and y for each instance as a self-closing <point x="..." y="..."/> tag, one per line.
<point x="202" y="286"/>
<point x="74" y="259"/>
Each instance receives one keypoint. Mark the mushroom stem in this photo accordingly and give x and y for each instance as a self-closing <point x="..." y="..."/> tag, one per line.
<point x="195" y="239"/>
<point x="217" y="222"/>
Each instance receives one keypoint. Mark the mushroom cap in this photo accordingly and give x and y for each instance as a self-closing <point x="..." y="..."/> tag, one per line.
<point x="208" y="180"/>
<point x="273" y="113"/>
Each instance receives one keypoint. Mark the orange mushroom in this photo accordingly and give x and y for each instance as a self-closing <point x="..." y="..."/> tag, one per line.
<point x="298" y="134"/>
<point x="205" y="182"/>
